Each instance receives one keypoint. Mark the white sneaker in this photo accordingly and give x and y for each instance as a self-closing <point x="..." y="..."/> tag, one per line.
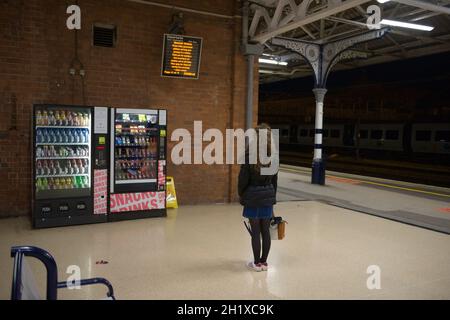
<point x="264" y="266"/>
<point x="255" y="267"/>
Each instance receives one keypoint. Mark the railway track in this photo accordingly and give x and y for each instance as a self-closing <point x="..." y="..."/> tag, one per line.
<point x="404" y="171"/>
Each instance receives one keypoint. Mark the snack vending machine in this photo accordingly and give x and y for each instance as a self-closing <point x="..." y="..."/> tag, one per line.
<point x="137" y="163"/>
<point x="69" y="155"/>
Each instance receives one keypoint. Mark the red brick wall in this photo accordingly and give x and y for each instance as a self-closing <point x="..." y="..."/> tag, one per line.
<point x="36" y="50"/>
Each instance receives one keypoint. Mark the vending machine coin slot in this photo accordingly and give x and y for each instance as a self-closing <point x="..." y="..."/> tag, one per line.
<point x="162" y="148"/>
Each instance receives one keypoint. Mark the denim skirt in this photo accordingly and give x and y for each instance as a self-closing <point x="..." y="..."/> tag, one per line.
<point x="258" y="212"/>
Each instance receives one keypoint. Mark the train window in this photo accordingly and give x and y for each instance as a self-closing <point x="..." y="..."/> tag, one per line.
<point x="311" y="132"/>
<point x="335" y="133"/>
<point x="376" y="134"/>
<point x="325" y="133"/>
<point x="423" y="135"/>
<point x="285" y="132"/>
<point x="442" y="135"/>
<point x="363" y="134"/>
<point x="392" y="135"/>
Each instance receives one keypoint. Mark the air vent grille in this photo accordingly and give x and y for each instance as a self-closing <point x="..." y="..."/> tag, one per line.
<point x="104" y="36"/>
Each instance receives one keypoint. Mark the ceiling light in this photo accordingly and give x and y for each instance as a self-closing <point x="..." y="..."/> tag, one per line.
<point x="270" y="61"/>
<point x="405" y="24"/>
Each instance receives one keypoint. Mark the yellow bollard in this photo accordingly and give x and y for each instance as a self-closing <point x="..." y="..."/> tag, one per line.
<point x="171" y="200"/>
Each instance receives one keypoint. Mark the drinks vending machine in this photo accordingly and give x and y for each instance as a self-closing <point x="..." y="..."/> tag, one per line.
<point x="78" y="158"/>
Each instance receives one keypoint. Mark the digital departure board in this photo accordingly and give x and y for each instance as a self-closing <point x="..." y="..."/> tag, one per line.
<point x="181" y="56"/>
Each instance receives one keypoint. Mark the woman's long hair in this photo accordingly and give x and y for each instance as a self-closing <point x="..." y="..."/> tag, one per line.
<point x="257" y="166"/>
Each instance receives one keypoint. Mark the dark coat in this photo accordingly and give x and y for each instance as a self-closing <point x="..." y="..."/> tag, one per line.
<point x="256" y="190"/>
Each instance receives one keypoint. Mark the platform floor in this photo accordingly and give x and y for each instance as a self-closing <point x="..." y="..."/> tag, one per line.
<point x="416" y="204"/>
<point x="199" y="252"/>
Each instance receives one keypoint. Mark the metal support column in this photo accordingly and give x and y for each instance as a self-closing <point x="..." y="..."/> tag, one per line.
<point x="250" y="51"/>
<point x="318" y="166"/>
<point x="250" y="84"/>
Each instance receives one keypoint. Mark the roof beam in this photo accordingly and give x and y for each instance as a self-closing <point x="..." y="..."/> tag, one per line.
<point x="307" y="19"/>
<point x="425" y="5"/>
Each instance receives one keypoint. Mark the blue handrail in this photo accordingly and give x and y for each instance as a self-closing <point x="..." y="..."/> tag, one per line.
<point x="52" y="273"/>
<point x="42" y="255"/>
<point x="87" y="282"/>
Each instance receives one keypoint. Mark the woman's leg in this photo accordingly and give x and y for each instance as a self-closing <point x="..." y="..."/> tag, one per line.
<point x="256" y="239"/>
<point x="266" y="241"/>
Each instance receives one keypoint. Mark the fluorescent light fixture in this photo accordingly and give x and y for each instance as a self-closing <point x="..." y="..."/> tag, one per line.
<point x="383" y="1"/>
<point x="406" y="25"/>
<point x="270" y="61"/>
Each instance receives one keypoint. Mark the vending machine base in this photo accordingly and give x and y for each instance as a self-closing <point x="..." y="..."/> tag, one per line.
<point x="41" y="223"/>
<point x="133" y="215"/>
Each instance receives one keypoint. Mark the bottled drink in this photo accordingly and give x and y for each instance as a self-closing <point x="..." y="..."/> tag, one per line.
<point x="51" y="184"/>
<point x="39" y="184"/>
<point x="38" y="118"/>
<point x="45" y="137"/>
<point x="70" y="169"/>
<point x="78" y="182"/>
<point x="68" y="183"/>
<point x="63" y="118"/>
<point x="39" y="136"/>
<point x="76" y="168"/>
<point x="45" y="169"/>
<point x="44" y="119"/>
<point x="69" y="118"/>
<point x="39" y="170"/>
<point x="63" y="135"/>
<point x="58" y="169"/>
<point x="57" y="118"/>
<point x="51" y="118"/>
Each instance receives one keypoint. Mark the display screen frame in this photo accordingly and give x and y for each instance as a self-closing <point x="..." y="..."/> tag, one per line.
<point x="198" y="40"/>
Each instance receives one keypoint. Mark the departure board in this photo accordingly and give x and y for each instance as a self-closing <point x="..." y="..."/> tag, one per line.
<point x="181" y="56"/>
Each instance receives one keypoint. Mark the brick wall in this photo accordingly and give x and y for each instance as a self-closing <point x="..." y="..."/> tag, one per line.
<point x="36" y="50"/>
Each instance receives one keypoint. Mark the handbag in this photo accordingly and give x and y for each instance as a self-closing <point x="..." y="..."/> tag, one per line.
<point x="277" y="228"/>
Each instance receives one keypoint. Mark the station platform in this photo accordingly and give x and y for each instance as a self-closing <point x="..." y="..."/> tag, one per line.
<point x="421" y="205"/>
<point x="199" y="252"/>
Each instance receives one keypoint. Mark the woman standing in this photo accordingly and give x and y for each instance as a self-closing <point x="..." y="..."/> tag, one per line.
<point x="257" y="194"/>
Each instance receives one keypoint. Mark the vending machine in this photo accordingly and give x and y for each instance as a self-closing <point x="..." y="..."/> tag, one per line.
<point x="137" y="163"/>
<point x="70" y="165"/>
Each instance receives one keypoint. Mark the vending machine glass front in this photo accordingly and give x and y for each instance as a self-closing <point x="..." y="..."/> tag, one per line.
<point x="62" y="152"/>
<point x="135" y="150"/>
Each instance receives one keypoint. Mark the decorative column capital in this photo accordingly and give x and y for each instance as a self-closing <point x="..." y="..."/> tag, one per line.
<point x="319" y="93"/>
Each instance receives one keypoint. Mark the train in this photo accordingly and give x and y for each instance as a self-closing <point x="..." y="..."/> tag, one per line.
<point x="415" y="138"/>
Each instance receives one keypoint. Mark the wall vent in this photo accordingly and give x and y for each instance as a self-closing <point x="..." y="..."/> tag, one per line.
<point x="104" y="35"/>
